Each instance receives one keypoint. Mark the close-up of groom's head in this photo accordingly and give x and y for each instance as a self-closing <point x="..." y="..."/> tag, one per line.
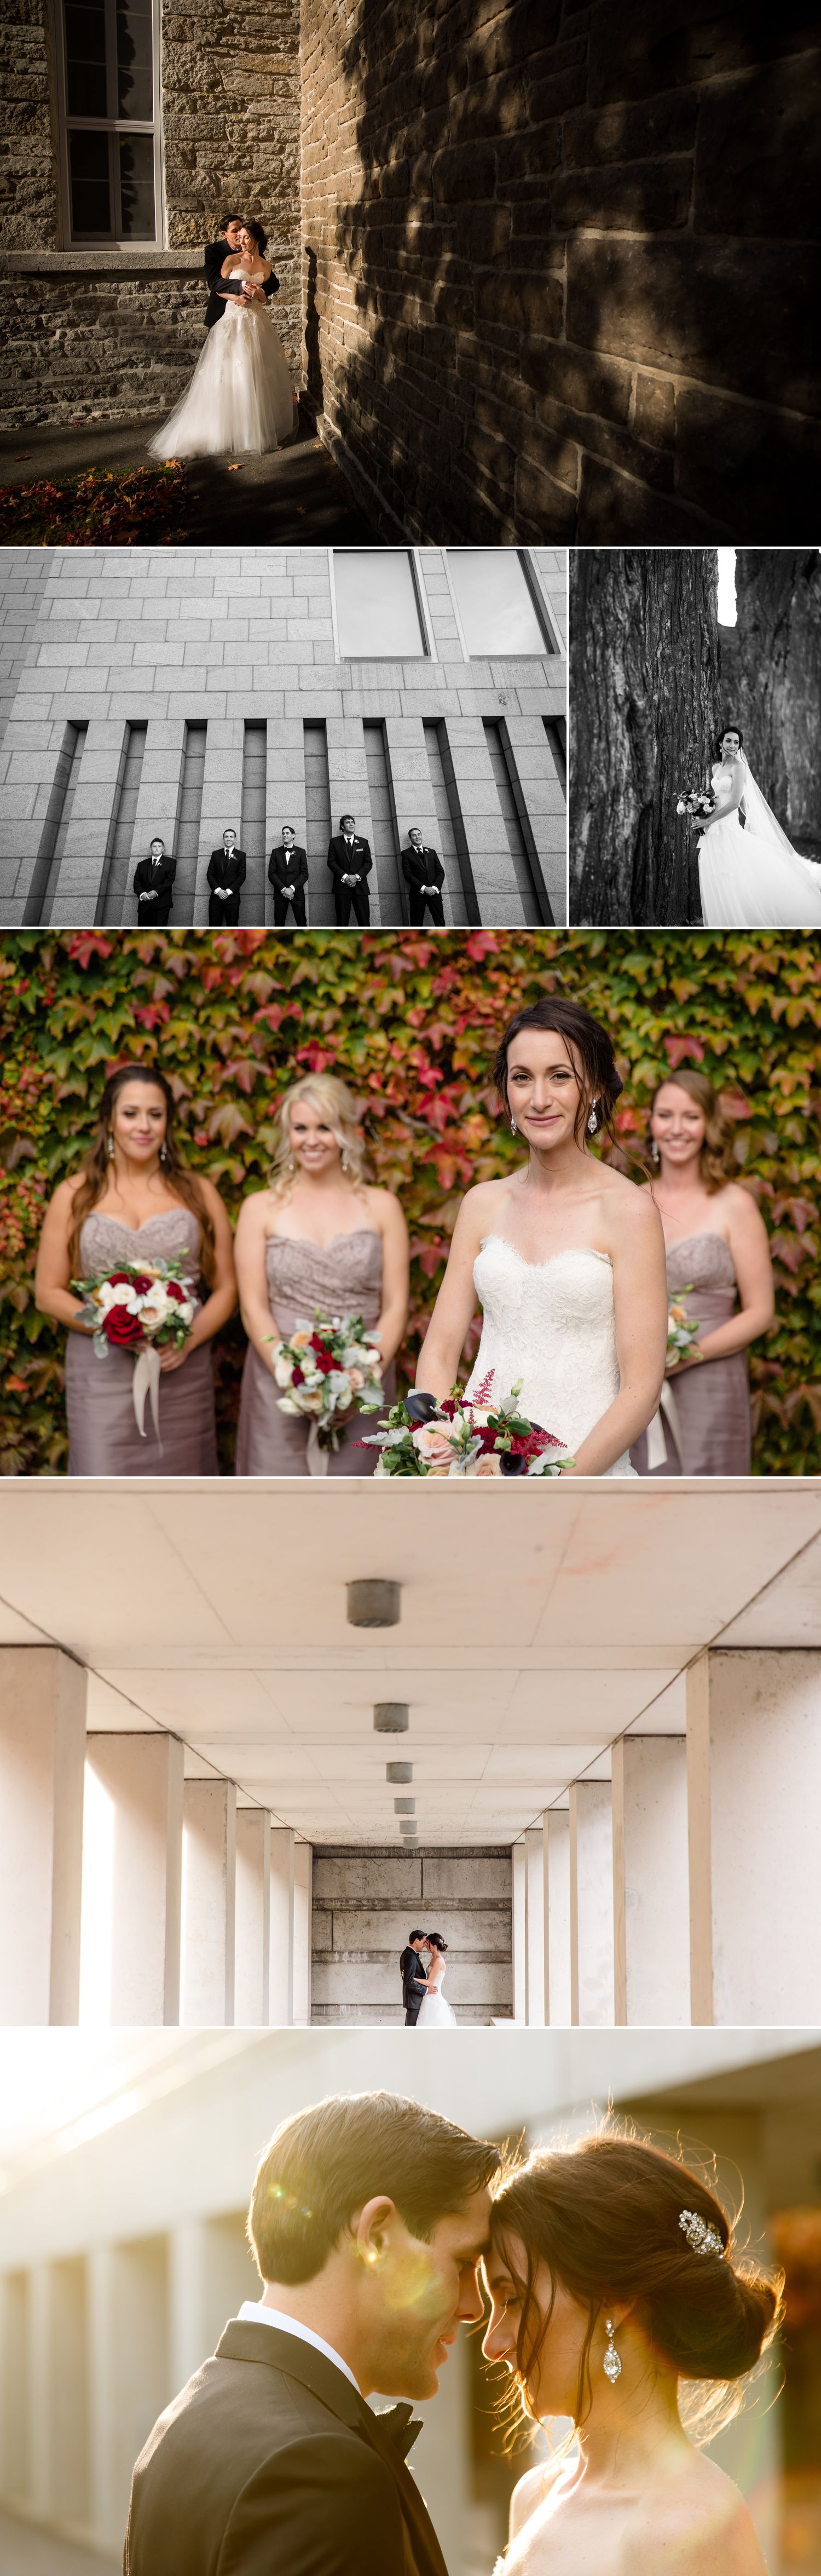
<point x="368" y="2217"/>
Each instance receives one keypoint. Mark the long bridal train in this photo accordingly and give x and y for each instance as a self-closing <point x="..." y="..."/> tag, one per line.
<point x="750" y="877"/>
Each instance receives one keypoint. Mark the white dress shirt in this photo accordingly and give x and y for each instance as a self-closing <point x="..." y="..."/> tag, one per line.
<point x="256" y="2312"/>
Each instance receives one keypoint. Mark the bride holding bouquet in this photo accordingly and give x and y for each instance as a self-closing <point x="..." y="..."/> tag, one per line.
<point x="319" y="1249"/>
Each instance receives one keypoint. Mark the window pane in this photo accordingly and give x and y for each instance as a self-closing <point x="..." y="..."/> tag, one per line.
<point x="85" y="58"/>
<point x="90" y="188"/>
<point x="137" y="186"/>
<point x="495" y="601"/>
<point x="134" y="60"/>
<point x="376" y="606"/>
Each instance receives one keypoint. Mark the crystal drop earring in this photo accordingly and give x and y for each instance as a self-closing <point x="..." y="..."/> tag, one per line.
<point x="346" y="1160"/>
<point x="513" y="1126"/>
<point x="592" y="1123"/>
<point x="163" y="1153"/>
<point x="110" y="1147"/>
<point x="611" y="2364"/>
<point x="654" y="1151"/>
<point x="292" y="1162"/>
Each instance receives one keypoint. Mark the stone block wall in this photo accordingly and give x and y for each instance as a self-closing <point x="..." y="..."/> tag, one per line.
<point x="557" y="259"/>
<point x="365" y="1904"/>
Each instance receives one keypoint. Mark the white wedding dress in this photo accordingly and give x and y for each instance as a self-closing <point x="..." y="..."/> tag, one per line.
<point x="240" y="396"/>
<point x="550" y="1323"/>
<point x="434" y="2013"/>
<point x="752" y="879"/>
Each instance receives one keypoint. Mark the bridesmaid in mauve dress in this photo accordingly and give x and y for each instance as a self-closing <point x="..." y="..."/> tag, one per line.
<point x="135" y="1198"/>
<point x="320" y="1240"/>
<point x="717" y="1252"/>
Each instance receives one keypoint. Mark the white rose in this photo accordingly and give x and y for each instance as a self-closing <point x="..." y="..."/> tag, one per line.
<point x="282" y="1368"/>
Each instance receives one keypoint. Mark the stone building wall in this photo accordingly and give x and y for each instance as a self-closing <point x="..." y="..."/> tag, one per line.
<point x="178" y="690"/>
<point x="556" y="263"/>
<point x="366" y="1903"/>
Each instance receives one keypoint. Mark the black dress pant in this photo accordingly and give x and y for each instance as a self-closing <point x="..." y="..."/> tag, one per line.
<point x="293" y="902"/>
<point x="222" y="907"/>
<point x="412" y="2014"/>
<point x="153" y="914"/>
<point x="348" y="898"/>
<point x="419" y="904"/>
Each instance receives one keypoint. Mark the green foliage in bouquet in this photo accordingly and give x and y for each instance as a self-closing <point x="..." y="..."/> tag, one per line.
<point x="411" y="1020"/>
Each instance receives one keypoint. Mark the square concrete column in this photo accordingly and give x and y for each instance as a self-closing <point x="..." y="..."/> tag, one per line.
<point x="221" y="793"/>
<point x="281" y="1987"/>
<point x="129" y="2375"/>
<point x="42" y="1757"/>
<point x="349" y="788"/>
<point x="15" y="2378"/>
<point x="592" y="1985"/>
<point x="651" y="1897"/>
<point x="208" y="1903"/>
<point x="158" y="798"/>
<point x="187" y="2299"/>
<point x="88" y="832"/>
<point x="534" y="1926"/>
<point x="557" y="1917"/>
<point x="519" y="1870"/>
<point x="285" y="798"/>
<point x="40" y="2390"/>
<point x="303" y="1877"/>
<point x="754" y="1796"/>
<point x="132" y="1872"/>
<point x="253" y="1917"/>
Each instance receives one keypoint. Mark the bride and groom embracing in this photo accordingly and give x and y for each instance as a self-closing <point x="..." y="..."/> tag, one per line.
<point x="240" y="396"/>
<point x="608" y="2271"/>
<point x="422" y="1968"/>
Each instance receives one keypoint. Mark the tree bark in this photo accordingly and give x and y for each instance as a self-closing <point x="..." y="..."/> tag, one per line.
<point x="771" y="683"/>
<point x="643" y="705"/>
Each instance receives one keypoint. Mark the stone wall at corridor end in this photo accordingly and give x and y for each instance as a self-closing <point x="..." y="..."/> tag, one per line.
<point x="114" y="333"/>
<point x="556" y="260"/>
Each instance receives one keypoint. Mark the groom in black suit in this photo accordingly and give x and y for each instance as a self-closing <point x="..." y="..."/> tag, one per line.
<point x="288" y="874"/>
<point x="414" y="1979"/>
<point x="226" y="878"/>
<point x="215" y="253"/>
<point x="350" y="863"/>
<point x="154" y="885"/>
<point x="270" y="2459"/>
<point x="424" y="877"/>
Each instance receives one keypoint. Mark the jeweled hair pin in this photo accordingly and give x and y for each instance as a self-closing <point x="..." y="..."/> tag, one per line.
<point x="703" y="2238"/>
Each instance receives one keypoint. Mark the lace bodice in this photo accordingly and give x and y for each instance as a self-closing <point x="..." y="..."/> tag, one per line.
<point x="550" y="1323"/>
<point x="344" y="1279"/>
<point x="172" y="1235"/>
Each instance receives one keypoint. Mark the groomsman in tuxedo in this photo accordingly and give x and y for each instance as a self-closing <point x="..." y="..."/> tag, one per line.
<point x="154" y="885"/>
<point x="226" y="876"/>
<point x="424" y="877"/>
<point x="215" y="253"/>
<point x="288" y="874"/>
<point x="350" y="863"/>
<point x="414" y="1979"/>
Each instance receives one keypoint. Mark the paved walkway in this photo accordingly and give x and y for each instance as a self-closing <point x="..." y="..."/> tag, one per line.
<point x="25" y="2551"/>
<point x="295" y="497"/>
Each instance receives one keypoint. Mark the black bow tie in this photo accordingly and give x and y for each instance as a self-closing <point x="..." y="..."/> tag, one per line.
<point x="401" y="2426"/>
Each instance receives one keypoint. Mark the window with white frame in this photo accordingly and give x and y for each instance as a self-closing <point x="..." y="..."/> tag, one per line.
<point x="497" y="601"/>
<point x="378" y="606"/>
<point x="108" y="52"/>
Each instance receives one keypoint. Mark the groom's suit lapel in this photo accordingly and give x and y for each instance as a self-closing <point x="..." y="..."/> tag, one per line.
<point x="389" y="2433"/>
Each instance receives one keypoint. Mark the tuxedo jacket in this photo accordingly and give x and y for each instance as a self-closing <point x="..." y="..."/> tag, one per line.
<point x="421" y="867"/>
<point x="412" y="1966"/>
<point x="270" y="2463"/>
<point x="151" y="880"/>
<point x="227" y="872"/>
<point x="345" y="862"/>
<point x="215" y="253"/>
<point x="288" y="867"/>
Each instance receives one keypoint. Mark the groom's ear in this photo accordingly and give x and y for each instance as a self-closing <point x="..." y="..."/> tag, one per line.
<point x="370" y="2228"/>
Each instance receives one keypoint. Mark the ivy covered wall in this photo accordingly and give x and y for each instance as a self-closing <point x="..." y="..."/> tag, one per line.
<point x="411" y="1020"/>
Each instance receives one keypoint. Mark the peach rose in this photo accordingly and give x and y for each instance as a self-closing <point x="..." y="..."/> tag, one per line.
<point x="434" y="1446"/>
<point x="488" y="1465"/>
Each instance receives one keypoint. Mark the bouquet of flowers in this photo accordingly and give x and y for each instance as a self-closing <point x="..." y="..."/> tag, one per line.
<point x="682" y="1331"/>
<point x="465" y="1436"/>
<point x="698" y="802"/>
<point x="143" y="1308"/>
<point x="326" y="1369"/>
<point x="682" y="1338"/>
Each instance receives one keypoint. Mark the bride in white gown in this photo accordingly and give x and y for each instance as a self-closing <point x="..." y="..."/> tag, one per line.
<point x="434" y="2013"/>
<point x="751" y="878"/>
<point x="240" y="396"/>
<point x="565" y="1256"/>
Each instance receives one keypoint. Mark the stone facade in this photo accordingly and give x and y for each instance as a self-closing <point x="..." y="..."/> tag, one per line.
<point x="365" y="1904"/>
<point x="176" y="691"/>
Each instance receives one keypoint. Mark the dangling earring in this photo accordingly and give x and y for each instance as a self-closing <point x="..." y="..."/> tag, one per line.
<point x="654" y="1151"/>
<point x="513" y="1126"/>
<point x="592" y="1123"/>
<point x="110" y="1146"/>
<point x="292" y="1162"/>
<point x="346" y="1160"/>
<point x="163" y="1154"/>
<point x="611" y="2364"/>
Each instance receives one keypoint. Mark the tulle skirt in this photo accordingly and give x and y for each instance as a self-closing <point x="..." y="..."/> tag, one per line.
<point x="240" y="395"/>
<point x="748" y="883"/>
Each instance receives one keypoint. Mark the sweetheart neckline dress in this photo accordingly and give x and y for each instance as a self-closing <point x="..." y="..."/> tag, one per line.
<point x="748" y="883"/>
<point x="103" y="1435"/>
<point x="707" y="1424"/>
<point x="239" y="399"/>
<point x="552" y="1324"/>
<point x="304" y="1277"/>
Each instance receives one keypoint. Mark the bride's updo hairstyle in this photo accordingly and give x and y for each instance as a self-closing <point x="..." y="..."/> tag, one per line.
<point x="257" y="234"/>
<point x="591" y="1049"/>
<point x="335" y="1103"/>
<point x="605" y="2216"/>
<point x="729" y="727"/>
<point x="717" y="1163"/>
<point x="435" y="1942"/>
<point x="95" y="1169"/>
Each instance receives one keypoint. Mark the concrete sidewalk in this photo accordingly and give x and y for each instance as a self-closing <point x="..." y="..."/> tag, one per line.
<point x="27" y="2551"/>
<point x="295" y="496"/>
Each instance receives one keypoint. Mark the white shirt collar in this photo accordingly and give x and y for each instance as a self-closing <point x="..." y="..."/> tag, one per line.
<point x="257" y="2313"/>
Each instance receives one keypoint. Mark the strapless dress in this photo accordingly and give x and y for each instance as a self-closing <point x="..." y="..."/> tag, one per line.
<point x="103" y="1435"/>
<point x="343" y="1279"/>
<point x="550" y="1323"/>
<point x="706" y="1419"/>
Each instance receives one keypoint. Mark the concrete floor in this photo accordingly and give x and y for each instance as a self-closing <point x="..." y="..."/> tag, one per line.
<point x="25" y="2551"/>
<point x="298" y="495"/>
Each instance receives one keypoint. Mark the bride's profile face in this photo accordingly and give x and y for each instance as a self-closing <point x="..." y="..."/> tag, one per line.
<point x="553" y="2380"/>
<point x="139" y="1120"/>
<point x="677" y="1126"/>
<point x="545" y="1086"/>
<point x="313" y="1143"/>
<point x="247" y="243"/>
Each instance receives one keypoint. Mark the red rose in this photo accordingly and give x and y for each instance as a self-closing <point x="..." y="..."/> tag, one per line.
<point x="141" y="1281"/>
<point x="120" y="1327"/>
<point x="324" y="1358"/>
<point x="173" y="1288"/>
<point x="297" y="1377"/>
<point x="119" y="1279"/>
